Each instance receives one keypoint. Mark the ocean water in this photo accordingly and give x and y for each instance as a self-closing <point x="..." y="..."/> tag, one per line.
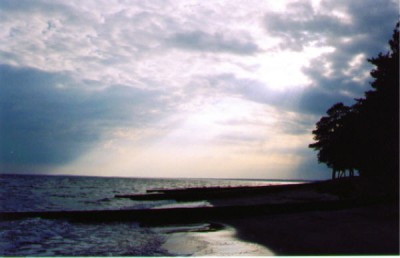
<point x="43" y="237"/>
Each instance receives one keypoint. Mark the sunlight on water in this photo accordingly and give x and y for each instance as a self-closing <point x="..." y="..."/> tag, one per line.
<point x="219" y="243"/>
<point x="43" y="237"/>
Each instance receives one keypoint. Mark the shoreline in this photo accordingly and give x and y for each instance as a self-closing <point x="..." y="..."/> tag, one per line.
<point x="368" y="225"/>
<point x="372" y="230"/>
<point x="209" y="241"/>
<point x="368" y="229"/>
<point x="341" y="217"/>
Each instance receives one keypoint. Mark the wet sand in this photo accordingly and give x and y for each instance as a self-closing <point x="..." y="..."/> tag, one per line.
<point x="370" y="230"/>
<point x="345" y="217"/>
<point x="221" y="242"/>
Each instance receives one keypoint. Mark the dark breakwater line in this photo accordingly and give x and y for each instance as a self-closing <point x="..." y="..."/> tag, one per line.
<point x="186" y="215"/>
<point x="212" y="193"/>
<point x="209" y="193"/>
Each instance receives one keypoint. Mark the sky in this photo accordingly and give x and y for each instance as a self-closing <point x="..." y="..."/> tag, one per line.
<point x="205" y="89"/>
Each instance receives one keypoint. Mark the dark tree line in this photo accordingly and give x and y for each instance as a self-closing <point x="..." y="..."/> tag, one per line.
<point x="365" y="136"/>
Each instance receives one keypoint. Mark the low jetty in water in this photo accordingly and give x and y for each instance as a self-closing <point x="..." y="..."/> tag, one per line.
<point x="230" y="202"/>
<point x="320" y="218"/>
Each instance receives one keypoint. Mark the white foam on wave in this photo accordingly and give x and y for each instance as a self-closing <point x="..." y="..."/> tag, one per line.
<point x="41" y="237"/>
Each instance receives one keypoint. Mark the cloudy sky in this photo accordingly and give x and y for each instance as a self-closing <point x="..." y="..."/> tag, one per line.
<point x="227" y="89"/>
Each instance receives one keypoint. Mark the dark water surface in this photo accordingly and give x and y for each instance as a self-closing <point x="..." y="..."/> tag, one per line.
<point x="35" y="236"/>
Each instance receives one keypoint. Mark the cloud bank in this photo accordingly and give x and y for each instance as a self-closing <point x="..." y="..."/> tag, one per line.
<point x="179" y="88"/>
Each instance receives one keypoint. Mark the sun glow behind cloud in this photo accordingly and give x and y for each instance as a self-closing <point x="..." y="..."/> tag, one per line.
<point x="282" y="70"/>
<point x="242" y="137"/>
<point x="192" y="89"/>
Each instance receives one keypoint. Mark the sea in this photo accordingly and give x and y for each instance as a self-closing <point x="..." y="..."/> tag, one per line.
<point x="45" y="237"/>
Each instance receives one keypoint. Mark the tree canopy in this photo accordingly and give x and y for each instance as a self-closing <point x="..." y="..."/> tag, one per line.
<point x="365" y="136"/>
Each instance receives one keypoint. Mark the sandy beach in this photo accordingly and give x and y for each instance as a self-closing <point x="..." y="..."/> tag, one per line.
<point x="368" y="229"/>
<point x="346" y="217"/>
<point x="359" y="231"/>
<point x="221" y="242"/>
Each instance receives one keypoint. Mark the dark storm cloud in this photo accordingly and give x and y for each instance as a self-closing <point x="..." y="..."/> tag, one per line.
<point x="364" y="31"/>
<point x="302" y="26"/>
<point x="218" y="42"/>
<point x="86" y="51"/>
<point x="47" y="118"/>
<point x="304" y="101"/>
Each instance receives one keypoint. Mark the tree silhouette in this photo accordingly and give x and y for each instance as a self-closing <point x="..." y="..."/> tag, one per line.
<point x="334" y="139"/>
<point x="379" y="113"/>
<point x="365" y="136"/>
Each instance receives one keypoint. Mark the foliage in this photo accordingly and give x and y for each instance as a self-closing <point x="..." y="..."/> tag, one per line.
<point x="365" y="136"/>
